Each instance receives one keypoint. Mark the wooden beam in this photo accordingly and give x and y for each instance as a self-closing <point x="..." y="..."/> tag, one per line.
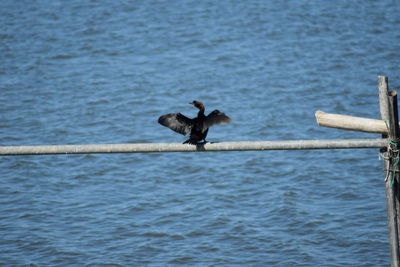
<point x="383" y="88"/>
<point x="394" y="135"/>
<point x="388" y="115"/>
<point x="351" y="123"/>
<point x="178" y="147"/>
<point x="394" y="131"/>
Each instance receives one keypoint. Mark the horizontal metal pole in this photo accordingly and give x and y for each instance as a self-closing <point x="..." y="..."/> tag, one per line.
<point x="178" y="147"/>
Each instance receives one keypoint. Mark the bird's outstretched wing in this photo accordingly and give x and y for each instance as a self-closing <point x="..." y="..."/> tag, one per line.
<point x="216" y="117"/>
<point x="176" y="122"/>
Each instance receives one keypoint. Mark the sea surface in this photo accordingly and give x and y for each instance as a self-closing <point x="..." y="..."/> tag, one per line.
<point x="95" y="72"/>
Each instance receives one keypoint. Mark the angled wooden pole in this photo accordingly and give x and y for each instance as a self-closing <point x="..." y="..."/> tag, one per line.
<point x="351" y="123"/>
<point x="388" y="114"/>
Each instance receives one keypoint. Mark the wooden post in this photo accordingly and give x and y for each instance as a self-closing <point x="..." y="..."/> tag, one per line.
<point x="394" y="135"/>
<point x="388" y="109"/>
<point x="393" y="115"/>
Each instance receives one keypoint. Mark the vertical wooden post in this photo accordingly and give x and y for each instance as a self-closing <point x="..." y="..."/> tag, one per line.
<point x="388" y="109"/>
<point x="394" y="135"/>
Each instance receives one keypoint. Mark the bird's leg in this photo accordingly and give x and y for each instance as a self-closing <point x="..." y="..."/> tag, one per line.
<point x="190" y="141"/>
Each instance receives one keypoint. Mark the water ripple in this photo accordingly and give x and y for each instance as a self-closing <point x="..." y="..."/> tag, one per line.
<point x="89" y="72"/>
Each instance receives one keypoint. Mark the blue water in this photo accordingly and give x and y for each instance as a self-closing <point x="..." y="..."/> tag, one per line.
<point x="79" y="72"/>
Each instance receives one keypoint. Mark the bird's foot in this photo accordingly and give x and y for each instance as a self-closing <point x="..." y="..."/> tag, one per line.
<point x="193" y="142"/>
<point x="190" y="142"/>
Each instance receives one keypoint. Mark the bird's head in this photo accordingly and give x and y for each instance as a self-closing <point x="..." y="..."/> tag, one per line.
<point x="197" y="104"/>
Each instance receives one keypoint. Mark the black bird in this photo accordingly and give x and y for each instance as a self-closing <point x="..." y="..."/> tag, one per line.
<point x="198" y="127"/>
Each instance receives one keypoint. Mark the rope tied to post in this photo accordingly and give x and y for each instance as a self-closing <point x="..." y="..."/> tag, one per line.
<point x="393" y="155"/>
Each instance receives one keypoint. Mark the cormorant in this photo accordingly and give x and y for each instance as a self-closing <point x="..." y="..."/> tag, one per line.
<point x="198" y="127"/>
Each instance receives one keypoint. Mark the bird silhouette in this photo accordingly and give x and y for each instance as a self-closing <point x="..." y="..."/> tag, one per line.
<point x="197" y="127"/>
